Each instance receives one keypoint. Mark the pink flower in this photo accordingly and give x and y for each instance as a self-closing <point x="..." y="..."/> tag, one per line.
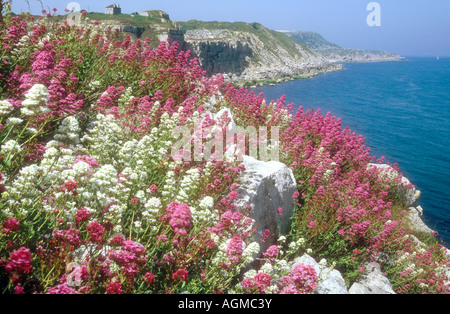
<point x="82" y="215"/>
<point x="114" y="288"/>
<point x="181" y="219"/>
<point x="134" y="200"/>
<point x="153" y="189"/>
<point x="248" y="283"/>
<point x="96" y="231"/>
<point x="149" y="278"/>
<point x="301" y="280"/>
<point x="272" y="252"/>
<point x="11" y="225"/>
<point x="19" y="289"/>
<point x="116" y="240"/>
<point x="234" y="249"/>
<point x="62" y="289"/>
<point x="262" y="281"/>
<point x="70" y="185"/>
<point x="162" y="238"/>
<point x="20" y="262"/>
<point x="181" y="274"/>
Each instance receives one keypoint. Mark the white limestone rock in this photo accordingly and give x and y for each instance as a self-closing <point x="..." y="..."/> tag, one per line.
<point x="373" y="282"/>
<point x="267" y="186"/>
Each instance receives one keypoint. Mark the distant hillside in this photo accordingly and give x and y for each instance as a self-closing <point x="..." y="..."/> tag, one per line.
<point x="335" y="53"/>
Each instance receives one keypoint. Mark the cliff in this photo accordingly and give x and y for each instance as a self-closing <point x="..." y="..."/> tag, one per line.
<point x="335" y="53"/>
<point x="250" y="52"/>
<point x="245" y="53"/>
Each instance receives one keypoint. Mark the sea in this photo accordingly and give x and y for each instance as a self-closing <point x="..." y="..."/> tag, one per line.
<point x="402" y="109"/>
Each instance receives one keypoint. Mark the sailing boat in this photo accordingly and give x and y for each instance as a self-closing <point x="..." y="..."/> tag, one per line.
<point x="437" y="58"/>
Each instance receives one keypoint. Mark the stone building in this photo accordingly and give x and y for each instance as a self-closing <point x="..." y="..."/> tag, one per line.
<point x="113" y="9"/>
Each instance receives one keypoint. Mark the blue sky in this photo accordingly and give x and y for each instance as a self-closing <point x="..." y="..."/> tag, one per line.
<point x="408" y="27"/>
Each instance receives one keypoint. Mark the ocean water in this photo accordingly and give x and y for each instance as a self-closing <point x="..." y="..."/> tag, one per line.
<point x="403" y="111"/>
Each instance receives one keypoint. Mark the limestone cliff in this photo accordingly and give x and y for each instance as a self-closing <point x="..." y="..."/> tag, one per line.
<point x="250" y="52"/>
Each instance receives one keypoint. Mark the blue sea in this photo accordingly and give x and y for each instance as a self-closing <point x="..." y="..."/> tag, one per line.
<point x="402" y="109"/>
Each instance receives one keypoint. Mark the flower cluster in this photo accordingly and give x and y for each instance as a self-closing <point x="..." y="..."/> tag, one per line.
<point x="93" y="200"/>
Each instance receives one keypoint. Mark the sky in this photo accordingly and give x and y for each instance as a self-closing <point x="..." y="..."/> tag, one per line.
<point x="408" y="27"/>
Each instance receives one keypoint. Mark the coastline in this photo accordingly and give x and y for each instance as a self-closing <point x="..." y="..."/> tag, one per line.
<point x="258" y="82"/>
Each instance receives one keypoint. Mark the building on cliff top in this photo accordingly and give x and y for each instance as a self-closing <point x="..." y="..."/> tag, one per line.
<point x="113" y="9"/>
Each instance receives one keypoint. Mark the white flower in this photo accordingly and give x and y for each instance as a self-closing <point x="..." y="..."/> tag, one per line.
<point x="81" y="168"/>
<point x="250" y="250"/>
<point x="267" y="268"/>
<point x="250" y="274"/>
<point x="11" y="146"/>
<point x="68" y="131"/>
<point x="140" y="195"/>
<point x="282" y="266"/>
<point x="206" y="203"/>
<point x="14" y="121"/>
<point x="5" y="107"/>
<point x="35" y="101"/>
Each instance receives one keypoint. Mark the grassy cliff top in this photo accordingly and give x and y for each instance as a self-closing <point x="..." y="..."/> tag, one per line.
<point x="133" y="19"/>
<point x="270" y="38"/>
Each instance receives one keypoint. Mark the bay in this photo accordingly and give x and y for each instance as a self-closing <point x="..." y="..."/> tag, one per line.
<point x="403" y="111"/>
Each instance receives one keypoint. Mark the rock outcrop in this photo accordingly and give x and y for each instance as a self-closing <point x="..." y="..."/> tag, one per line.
<point x="372" y="282"/>
<point x="267" y="187"/>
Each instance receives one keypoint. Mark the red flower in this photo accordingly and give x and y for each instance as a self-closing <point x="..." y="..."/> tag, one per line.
<point x="116" y="240"/>
<point x="96" y="231"/>
<point x="114" y="288"/>
<point x="20" y="262"/>
<point x="11" y="225"/>
<point x="134" y="200"/>
<point x="149" y="278"/>
<point x="82" y="215"/>
<point x="181" y="274"/>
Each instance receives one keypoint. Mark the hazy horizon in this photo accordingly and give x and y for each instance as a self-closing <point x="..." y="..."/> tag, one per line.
<point x="408" y="27"/>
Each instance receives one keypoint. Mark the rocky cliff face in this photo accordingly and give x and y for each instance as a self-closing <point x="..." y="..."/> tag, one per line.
<point x="253" y="53"/>
<point x="221" y="56"/>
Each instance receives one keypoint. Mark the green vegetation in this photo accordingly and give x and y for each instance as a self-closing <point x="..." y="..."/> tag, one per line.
<point x="132" y="19"/>
<point x="272" y="40"/>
